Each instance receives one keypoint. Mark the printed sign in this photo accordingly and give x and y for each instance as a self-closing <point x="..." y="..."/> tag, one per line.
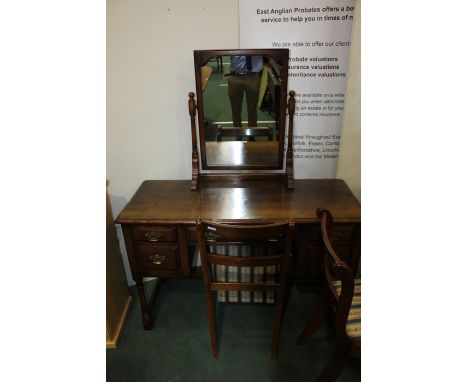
<point x="317" y="34"/>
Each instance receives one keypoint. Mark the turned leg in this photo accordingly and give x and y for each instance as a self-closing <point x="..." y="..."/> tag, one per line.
<point x="145" y="309"/>
<point x="314" y="322"/>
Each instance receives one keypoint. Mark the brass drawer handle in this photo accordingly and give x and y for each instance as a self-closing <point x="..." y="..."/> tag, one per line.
<point x="153" y="236"/>
<point x="211" y="237"/>
<point x="157" y="259"/>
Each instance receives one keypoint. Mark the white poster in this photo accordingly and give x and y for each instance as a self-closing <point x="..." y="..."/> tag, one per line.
<point x="317" y="34"/>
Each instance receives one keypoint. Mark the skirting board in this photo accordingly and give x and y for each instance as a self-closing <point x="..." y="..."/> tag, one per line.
<point x="111" y="343"/>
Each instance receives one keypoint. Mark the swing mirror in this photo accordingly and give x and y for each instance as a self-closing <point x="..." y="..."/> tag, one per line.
<point x="241" y="104"/>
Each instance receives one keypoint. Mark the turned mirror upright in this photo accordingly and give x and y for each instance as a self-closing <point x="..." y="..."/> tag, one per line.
<point x="241" y="101"/>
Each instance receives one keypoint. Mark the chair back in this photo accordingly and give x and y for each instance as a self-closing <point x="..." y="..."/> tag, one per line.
<point x="336" y="273"/>
<point x="274" y="242"/>
<point x="274" y="239"/>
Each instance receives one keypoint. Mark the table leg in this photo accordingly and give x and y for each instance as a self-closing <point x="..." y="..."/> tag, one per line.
<point x="145" y="308"/>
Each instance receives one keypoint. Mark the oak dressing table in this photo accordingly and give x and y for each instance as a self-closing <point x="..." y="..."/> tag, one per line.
<point x="158" y="223"/>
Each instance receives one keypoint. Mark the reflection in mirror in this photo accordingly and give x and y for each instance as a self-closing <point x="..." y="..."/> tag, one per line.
<point x="241" y="103"/>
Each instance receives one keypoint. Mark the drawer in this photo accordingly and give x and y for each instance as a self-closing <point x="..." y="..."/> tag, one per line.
<point x="312" y="233"/>
<point x="314" y="257"/>
<point x="152" y="256"/>
<point x="343" y="233"/>
<point x="315" y="254"/>
<point x="192" y="235"/>
<point x="154" y="234"/>
<point x="345" y="253"/>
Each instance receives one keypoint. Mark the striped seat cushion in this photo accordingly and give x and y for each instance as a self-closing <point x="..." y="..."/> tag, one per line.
<point x="222" y="273"/>
<point x="353" y="325"/>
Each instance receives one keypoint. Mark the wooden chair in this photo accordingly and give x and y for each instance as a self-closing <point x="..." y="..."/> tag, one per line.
<point x="342" y="293"/>
<point x="276" y="237"/>
<point x="240" y="132"/>
<point x="219" y="63"/>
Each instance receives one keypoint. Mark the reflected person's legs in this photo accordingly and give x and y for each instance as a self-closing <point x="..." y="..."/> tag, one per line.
<point x="236" y="95"/>
<point x="252" y="90"/>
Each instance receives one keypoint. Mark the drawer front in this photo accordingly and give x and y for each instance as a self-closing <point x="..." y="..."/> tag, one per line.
<point x="310" y="246"/>
<point x="314" y="257"/>
<point x="312" y="233"/>
<point x="311" y="267"/>
<point x="192" y="235"/>
<point x="345" y="253"/>
<point x="343" y="233"/>
<point x="158" y="256"/>
<point x="153" y="234"/>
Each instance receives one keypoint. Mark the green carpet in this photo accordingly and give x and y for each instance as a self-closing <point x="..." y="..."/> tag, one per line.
<point x="178" y="347"/>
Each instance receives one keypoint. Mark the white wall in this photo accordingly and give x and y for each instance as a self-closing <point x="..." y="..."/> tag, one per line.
<point x="150" y="46"/>
<point x="349" y="160"/>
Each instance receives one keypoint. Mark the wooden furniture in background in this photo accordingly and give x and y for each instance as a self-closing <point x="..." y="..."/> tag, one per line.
<point x="273" y="240"/>
<point x="118" y="300"/>
<point x="343" y="294"/>
<point x="243" y="132"/>
<point x="205" y="73"/>
<point x="160" y="235"/>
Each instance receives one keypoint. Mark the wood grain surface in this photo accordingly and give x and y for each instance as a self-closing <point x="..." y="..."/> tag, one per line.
<point x="171" y="201"/>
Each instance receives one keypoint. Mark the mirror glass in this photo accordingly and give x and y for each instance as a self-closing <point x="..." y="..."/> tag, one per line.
<point x="240" y="98"/>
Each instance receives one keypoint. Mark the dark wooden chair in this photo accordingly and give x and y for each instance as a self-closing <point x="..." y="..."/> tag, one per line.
<point x="241" y="132"/>
<point x="275" y="239"/>
<point x="342" y="294"/>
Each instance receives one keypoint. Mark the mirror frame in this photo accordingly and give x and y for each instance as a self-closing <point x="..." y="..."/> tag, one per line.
<point x="201" y="58"/>
<point x="285" y="168"/>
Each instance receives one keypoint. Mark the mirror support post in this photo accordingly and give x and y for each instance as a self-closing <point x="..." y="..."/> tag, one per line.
<point x="289" y="153"/>
<point x="195" y="168"/>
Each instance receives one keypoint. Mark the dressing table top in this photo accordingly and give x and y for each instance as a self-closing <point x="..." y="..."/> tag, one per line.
<point x="258" y="201"/>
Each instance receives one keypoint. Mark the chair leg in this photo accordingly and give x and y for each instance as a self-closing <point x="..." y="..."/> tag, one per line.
<point x="211" y="323"/>
<point x="277" y="324"/>
<point x="314" y="321"/>
<point x="335" y="366"/>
